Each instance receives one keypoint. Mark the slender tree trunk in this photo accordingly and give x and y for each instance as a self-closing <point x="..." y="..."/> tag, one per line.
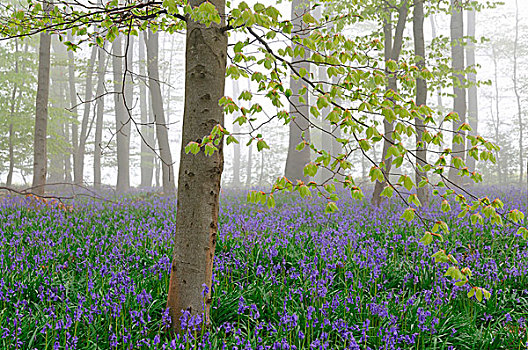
<point x="199" y="175"/>
<point x="249" y="167"/>
<point x="457" y="53"/>
<point x="147" y="144"/>
<point x="496" y="115"/>
<point x="439" y="92"/>
<point x="162" y="133"/>
<point x="472" y="90"/>
<point x="101" y="70"/>
<point x="40" y="158"/>
<point x="421" y="99"/>
<point x="262" y="168"/>
<point x="122" y="122"/>
<point x="392" y="52"/>
<point x="67" y="155"/>
<point x="9" y="181"/>
<point x="73" y="105"/>
<point x="236" y="146"/>
<point x="78" y="173"/>
<point x="299" y="111"/>
<point x="517" y="92"/>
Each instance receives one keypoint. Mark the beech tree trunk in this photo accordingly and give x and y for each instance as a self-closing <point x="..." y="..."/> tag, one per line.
<point x="249" y="167"/>
<point x="199" y="175"/>
<point x="101" y="70"/>
<point x="516" y="89"/>
<point x="162" y="133"/>
<point x="457" y="53"/>
<point x="421" y="100"/>
<point x="9" y="180"/>
<point x="392" y="52"/>
<point x="40" y="158"/>
<point x="147" y="142"/>
<point x="122" y="122"/>
<point x="495" y="116"/>
<point x="472" y="90"/>
<point x="78" y="173"/>
<point x="73" y="105"/>
<point x="299" y="111"/>
<point x="236" y="146"/>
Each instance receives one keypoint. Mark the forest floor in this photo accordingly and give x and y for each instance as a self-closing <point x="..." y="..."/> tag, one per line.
<point x="291" y="277"/>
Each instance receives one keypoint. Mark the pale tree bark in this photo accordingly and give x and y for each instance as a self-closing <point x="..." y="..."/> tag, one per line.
<point x="40" y="157"/>
<point x="147" y="142"/>
<point x="199" y="175"/>
<point x="439" y="92"/>
<point x="249" y="166"/>
<point x="67" y="155"/>
<point x="299" y="111"/>
<point x="101" y="70"/>
<point x="472" y="89"/>
<point x="9" y="180"/>
<point x="122" y="122"/>
<point x="162" y="133"/>
<point x="516" y="89"/>
<point x="78" y="173"/>
<point x="57" y="97"/>
<point x="73" y="104"/>
<point x="392" y="52"/>
<point x="421" y="100"/>
<point x="457" y="54"/>
<point x="236" y="146"/>
<point x="495" y="115"/>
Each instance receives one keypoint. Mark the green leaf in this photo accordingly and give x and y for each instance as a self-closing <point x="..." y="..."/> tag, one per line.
<point x="427" y="238"/>
<point x="331" y="207"/>
<point x="408" y="214"/>
<point x="192" y="147"/>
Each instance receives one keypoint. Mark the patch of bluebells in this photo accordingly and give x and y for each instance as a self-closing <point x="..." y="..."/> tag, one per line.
<point x="291" y="277"/>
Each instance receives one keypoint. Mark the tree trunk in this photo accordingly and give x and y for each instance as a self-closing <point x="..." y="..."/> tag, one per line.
<point x="40" y="159"/>
<point x="162" y="133"/>
<point x="472" y="90"/>
<point x="457" y="53"/>
<point x="392" y="52"/>
<point x="147" y="142"/>
<point x="78" y="173"/>
<point x="249" y="167"/>
<point x="299" y="111"/>
<point x="496" y="116"/>
<point x="9" y="180"/>
<point x="101" y="70"/>
<point x="73" y="105"/>
<point x="199" y="175"/>
<point x="67" y="155"/>
<point x="421" y="99"/>
<point x="122" y="122"/>
<point x="236" y="146"/>
<point x="439" y="93"/>
<point x="517" y="92"/>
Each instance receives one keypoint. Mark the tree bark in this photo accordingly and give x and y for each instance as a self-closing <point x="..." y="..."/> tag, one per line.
<point x="73" y="105"/>
<point x="40" y="159"/>
<point x="147" y="142"/>
<point x="496" y="116"/>
<point x="236" y="146"/>
<point x="392" y="52"/>
<point x="249" y="167"/>
<point x="199" y="175"/>
<point x="421" y="100"/>
<point x="299" y="111"/>
<point x="122" y="122"/>
<point x="9" y="180"/>
<point x="78" y="173"/>
<point x="162" y="133"/>
<point x="101" y="70"/>
<point x="457" y="53"/>
<point x="517" y="92"/>
<point x="472" y="90"/>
